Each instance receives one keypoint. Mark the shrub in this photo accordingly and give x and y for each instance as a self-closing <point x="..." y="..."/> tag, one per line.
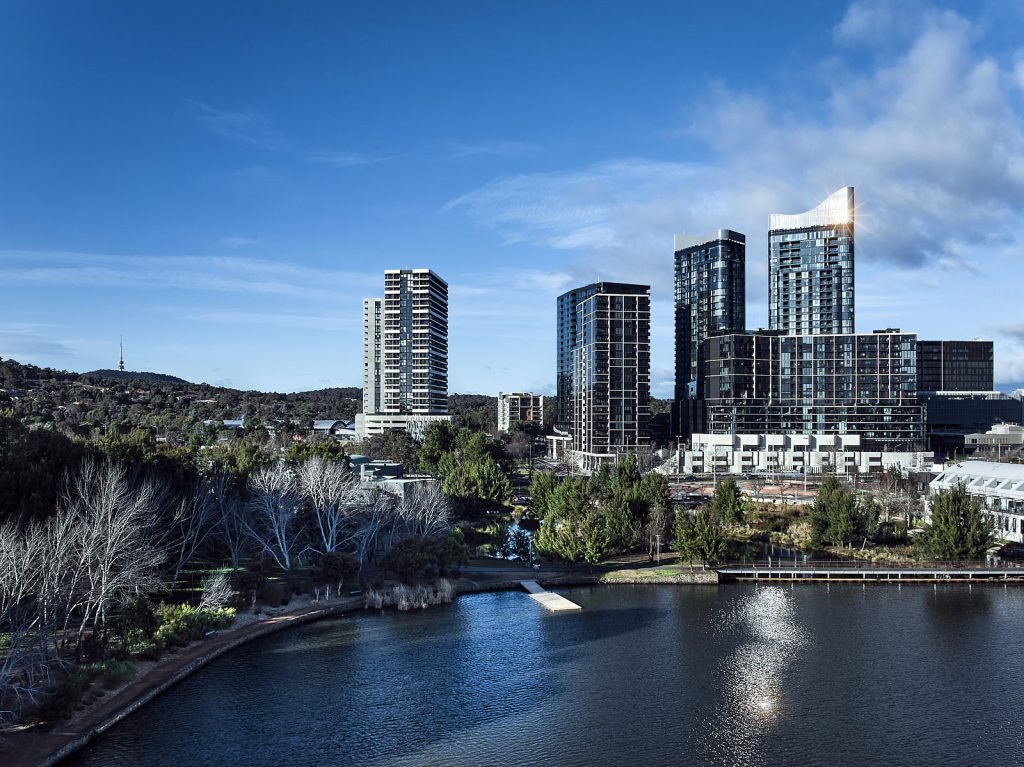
<point x="62" y="699"/>
<point x="112" y="673"/>
<point x="180" y="624"/>
<point x="337" y="567"/>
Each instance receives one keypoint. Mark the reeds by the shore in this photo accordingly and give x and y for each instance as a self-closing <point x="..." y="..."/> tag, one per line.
<point x="406" y="597"/>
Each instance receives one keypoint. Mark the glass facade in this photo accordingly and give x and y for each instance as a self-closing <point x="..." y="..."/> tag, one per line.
<point x="568" y="339"/>
<point x="955" y="366"/>
<point x="709" y="298"/>
<point x="810" y="268"/>
<point x="604" y="356"/>
<point x="816" y="384"/>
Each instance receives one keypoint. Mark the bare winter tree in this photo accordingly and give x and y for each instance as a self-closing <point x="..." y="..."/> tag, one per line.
<point x="426" y="511"/>
<point x="113" y="556"/>
<point x="217" y="592"/>
<point x="25" y="652"/>
<point x="338" y="502"/>
<point x="274" y="525"/>
<point x="377" y="525"/>
<point x="228" y="517"/>
<point x="191" y="524"/>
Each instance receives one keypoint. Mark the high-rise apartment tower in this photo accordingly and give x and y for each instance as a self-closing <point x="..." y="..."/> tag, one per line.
<point x="373" y="328"/>
<point x="405" y="352"/>
<point x="810" y="268"/>
<point x="604" y="369"/>
<point x="415" y="342"/>
<point x="709" y="298"/>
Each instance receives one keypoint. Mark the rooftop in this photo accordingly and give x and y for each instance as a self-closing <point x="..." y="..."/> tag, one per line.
<point x="835" y="209"/>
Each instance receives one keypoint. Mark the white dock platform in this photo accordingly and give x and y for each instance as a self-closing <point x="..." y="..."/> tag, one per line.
<point x="549" y="600"/>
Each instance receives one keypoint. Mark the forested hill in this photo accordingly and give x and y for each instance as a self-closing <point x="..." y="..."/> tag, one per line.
<point x="98" y="376"/>
<point x="110" y="400"/>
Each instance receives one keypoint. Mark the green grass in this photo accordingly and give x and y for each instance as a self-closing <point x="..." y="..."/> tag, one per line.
<point x="669" y="571"/>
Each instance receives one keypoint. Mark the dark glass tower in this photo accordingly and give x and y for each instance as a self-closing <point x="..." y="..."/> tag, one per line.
<point x="865" y="384"/>
<point x="604" y="368"/>
<point x="810" y="268"/>
<point x="709" y="288"/>
<point x="955" y="366"/>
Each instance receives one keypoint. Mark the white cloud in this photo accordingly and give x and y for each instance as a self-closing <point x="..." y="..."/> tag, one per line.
<point x="930" y="134"/>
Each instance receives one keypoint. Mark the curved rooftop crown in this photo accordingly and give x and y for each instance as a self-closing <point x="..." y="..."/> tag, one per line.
<point x="837" y="208"/>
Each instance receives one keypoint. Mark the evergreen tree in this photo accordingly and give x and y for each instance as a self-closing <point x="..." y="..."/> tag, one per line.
<point x="438" y="439"/>
<point x="593" y="539"/>
<point x="620" y="527"/>
<point x="602" y="482"/>
<point x="542" y="486"/>
<point x="490" y="482"/>
<point x="708" y="541"/>
<point x="655" y="491"/>
<point x="627" y="475"/>
<point x="829" y="491"/>
<point x="839" y="517"/>
<point x="683" y="535"/>
<point x="567" y="530"/>
<point x="959" y="528"/>
<point x="727" y="503"/>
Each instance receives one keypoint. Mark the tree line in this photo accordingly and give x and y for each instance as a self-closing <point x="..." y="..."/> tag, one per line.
<point x="615" y="510"/>
<point x="119" y="534"/>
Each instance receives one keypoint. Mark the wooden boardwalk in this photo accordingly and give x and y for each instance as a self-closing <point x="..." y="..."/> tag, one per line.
<point x="551" y="601"/>
<point x="818" y="572"/>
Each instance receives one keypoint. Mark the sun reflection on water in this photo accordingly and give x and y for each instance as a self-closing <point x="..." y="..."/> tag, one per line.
<point x="755" y="672"/>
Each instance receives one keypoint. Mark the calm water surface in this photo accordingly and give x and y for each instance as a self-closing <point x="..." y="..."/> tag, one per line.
<point x="647" y="675"/>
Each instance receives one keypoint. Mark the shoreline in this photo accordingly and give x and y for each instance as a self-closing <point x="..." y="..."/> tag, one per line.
<point x="48" y="747"/>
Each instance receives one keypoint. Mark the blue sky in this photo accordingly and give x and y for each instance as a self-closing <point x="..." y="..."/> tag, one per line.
<point x="221" y="183"/>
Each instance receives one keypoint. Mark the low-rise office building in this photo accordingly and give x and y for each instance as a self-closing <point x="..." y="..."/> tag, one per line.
<point x="374" y="424"/>
<point x="1003" y="439"/>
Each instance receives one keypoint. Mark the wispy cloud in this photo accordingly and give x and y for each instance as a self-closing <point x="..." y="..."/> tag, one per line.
<point x="931" y="134"/>
<point x="275" y="319"/>
<point x="245" y="127"/>
<point x="256" y="129"/>
<point x="238" y="242"/>
<point x="28" y="343"/>
<point x="493" y="148"/>
<point x="343" y="159"/>
<point x="205" y="273"/>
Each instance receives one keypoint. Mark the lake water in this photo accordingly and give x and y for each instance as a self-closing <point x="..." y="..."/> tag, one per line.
<point x="646" y="675"/>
